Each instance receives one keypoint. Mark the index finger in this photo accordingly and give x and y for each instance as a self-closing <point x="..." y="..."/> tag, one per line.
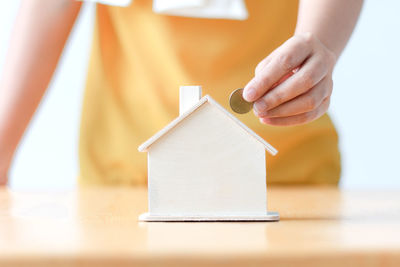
<point x="286" y="58"/>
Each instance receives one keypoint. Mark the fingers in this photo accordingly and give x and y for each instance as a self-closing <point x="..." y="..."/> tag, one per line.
<point x="299" y="118"/>
<point x="294" y="83"/>
<point x="298" y="104"/>
<point x="286" y="58"/>
<point x="264" y="62"/>
<point x="313" y="71"/>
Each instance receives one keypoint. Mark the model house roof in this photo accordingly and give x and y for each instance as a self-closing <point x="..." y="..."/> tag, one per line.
<point x="145" y="146"/>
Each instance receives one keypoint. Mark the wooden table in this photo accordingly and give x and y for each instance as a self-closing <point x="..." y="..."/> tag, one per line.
<point x="98" y="227"/>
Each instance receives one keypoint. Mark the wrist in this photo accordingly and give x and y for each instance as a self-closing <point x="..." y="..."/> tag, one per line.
<point x="331" y="52"/>
<point x="4" y="168"/>
<point x="335" y="51"/>
<point x="5" y="160"/>
<point x="4" y="163"/>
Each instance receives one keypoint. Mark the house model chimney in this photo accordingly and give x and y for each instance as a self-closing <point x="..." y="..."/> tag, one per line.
<point x="188" y="97"/>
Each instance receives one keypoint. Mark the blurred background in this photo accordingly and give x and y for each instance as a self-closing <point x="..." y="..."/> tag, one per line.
<point x="365" y="105"/>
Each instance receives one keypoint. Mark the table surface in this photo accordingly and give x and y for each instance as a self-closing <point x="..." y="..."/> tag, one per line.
<point x="99" y="226"/>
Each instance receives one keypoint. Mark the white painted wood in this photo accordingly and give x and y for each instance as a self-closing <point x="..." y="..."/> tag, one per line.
<point x="207" y="166"/>
<point x="146" y="145"/>
<point x="188" y="97"/>
<point x="269" y="216"/>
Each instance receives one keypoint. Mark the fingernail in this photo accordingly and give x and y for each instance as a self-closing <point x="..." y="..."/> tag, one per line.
<point x="265" y="120"/>
<point x="260" y="107"/>
<point x="249" y="94"/>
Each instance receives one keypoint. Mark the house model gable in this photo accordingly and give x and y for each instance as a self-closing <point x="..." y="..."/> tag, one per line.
<point x="206" y="99"/>
<point x="206" y="166"/>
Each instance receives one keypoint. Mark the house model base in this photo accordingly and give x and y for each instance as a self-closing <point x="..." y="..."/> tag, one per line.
<point x="269" y="216"/>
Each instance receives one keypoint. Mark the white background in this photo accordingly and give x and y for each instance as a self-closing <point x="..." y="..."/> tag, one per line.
<point x="365" y="105"/>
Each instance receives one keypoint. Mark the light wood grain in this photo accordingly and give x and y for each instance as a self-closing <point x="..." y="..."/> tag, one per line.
<point x="199" y="167"/>
<point x="206" y="99"/>
<point x="98" y="227"/>
<point x="197" y="163"/>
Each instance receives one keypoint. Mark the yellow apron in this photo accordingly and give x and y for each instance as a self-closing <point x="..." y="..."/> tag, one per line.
<point x="139" y="59"/>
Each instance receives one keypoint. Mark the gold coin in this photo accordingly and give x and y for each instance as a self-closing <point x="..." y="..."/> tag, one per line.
<point x="237" y="102"/>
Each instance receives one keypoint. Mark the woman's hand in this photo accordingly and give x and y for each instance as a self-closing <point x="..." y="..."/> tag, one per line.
<point x="293" y="85"/>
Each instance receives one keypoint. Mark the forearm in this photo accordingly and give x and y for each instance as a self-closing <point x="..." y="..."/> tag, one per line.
<point x="38" y="38"/>
<point x="331" y="21"/>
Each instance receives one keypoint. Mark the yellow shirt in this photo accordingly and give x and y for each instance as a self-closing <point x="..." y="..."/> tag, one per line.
<point x="139" y="59"/>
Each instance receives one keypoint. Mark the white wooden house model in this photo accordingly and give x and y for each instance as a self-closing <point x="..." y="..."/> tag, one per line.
<point x="206" y="165"/>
